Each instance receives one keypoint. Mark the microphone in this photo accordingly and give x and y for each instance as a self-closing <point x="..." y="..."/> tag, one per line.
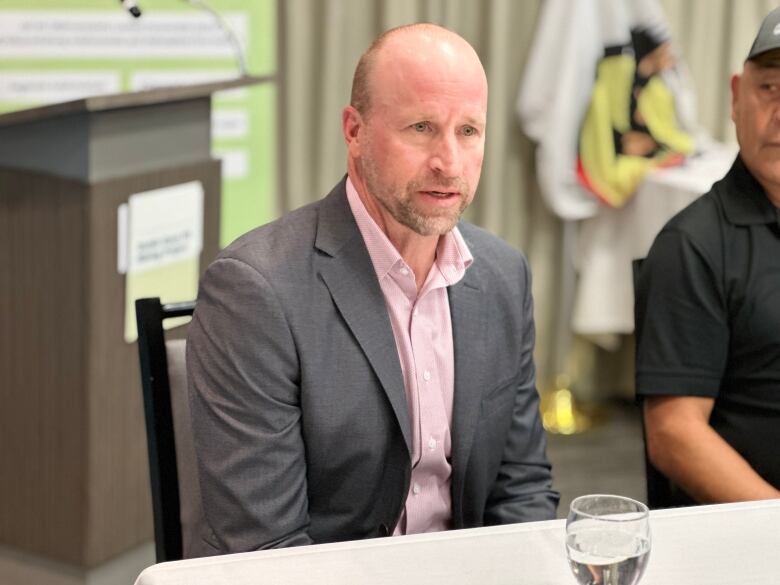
<point x="131" y="7"/>
<point x="225" y="28"/>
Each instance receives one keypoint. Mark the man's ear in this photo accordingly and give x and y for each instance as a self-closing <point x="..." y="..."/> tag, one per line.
<point x="734" y="94"/>
<point x="351" y="123"/>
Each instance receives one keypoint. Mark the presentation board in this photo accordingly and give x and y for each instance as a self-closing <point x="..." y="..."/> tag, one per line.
<point x="59" y="50"/>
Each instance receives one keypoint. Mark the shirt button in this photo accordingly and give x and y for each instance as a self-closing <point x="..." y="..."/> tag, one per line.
<point x="416" y="489"/>
<point x="426" y="375"/>
<point x="415" y="312"/>
<point x="431" y="443"/>
<point x="404" y="271"/>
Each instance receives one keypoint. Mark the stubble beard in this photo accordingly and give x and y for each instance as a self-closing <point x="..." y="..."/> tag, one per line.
<point x="399" y="202"/>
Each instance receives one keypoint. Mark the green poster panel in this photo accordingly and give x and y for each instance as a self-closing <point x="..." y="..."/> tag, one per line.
<point x="58" y="50"/>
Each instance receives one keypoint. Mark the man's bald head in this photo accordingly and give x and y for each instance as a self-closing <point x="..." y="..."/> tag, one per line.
<point x="406" y="38"/>
<point x="415" y="130"/>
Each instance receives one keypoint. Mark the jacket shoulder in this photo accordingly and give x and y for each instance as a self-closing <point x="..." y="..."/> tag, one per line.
<point x="490" y="250"/>
<point x="274" y="244"/>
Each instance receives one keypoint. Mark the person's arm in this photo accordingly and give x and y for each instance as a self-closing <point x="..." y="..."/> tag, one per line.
<point x="683" y="349"/>
<point x="243" y="375"/>
<point x="523" y="489"/>
<point x="683" y="446"/>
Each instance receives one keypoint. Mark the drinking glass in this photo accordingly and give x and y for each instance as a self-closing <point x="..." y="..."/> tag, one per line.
<point x="607" y="540"/>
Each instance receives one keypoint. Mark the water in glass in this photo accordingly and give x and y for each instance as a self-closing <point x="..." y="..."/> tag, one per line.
<point x="607" y="540"/>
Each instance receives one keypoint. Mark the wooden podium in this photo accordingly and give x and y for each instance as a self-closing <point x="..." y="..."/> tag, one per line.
<point x="74" y="483"/>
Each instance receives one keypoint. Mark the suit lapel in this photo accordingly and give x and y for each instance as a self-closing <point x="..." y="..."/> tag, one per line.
<point x="348" y="273"/>
<point x="467" y="309"/>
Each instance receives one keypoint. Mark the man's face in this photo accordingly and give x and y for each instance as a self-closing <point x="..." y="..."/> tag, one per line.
<point x="422" y="141"/>
<point x="755" y="110"/>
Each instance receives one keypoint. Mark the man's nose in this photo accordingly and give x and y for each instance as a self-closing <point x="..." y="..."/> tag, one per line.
<point x="446" y="156"/>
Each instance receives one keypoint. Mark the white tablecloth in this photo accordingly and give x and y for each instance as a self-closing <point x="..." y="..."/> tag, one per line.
<point x="729" y="544"/>
<point x="604" y="301"/>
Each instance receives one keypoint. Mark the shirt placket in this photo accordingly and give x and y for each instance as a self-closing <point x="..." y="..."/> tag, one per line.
<point x="431" y="421"/>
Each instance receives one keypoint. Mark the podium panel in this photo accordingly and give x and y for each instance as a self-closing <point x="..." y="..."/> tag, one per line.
<point x="75" y="485"/>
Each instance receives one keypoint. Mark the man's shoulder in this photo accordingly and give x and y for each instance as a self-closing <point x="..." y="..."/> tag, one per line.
<point x="700" y="218"/>
<point x="700" y="229"/>
<point x="270" y="244"/>
<point x="484" y="244"/>
<point x="494" y="258"/>
<point x="700" y="226"/>
<point x="707" y="216"/>
<point x="286" y="240"/>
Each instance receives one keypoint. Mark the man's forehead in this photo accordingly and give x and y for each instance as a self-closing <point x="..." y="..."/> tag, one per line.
<point x="419" y="78"/>
<point x="427" y="101"/>
<point x="473" y="116"/>
<point x="767" y="60"/>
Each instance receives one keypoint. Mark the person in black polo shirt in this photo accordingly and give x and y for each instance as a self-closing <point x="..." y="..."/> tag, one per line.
<point x="708" y="311"/>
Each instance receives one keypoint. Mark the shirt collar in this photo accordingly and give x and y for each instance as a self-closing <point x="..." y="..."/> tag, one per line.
<point x="453" y="256"/>
<point x="744" y="200"/>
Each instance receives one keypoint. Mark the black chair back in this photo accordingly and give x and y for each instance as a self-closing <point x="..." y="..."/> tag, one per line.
<point x="159" y="417"/>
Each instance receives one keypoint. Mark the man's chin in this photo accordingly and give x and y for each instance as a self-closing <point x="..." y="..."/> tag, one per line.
<point x="434" y="226"/>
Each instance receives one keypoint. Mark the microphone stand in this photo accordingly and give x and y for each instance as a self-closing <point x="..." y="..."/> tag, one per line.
<point x="238" y="50"/>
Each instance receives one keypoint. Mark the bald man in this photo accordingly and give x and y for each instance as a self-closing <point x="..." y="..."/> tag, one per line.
<point x="363" y="366"/>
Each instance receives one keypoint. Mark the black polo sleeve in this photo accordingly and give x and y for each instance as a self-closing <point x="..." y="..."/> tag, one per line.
<point x="681" y="318"/>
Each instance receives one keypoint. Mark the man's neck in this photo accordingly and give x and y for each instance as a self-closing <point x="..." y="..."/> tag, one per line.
<point x="771" y="188"/>
<point x="773" y="195"/>
<point x="419" y="252"/>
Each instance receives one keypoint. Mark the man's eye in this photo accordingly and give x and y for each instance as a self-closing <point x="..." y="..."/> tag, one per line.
<point x="469" y="131"/>
<point x="420" y="126"/>
<point x="772" y="87"/>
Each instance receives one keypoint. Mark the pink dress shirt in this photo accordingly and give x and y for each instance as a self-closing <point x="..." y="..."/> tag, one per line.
<point x="423" y="336"/>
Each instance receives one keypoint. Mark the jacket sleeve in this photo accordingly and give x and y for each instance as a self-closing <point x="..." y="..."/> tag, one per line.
<point x="523" y="489"/>
<point x="243" y="377"/>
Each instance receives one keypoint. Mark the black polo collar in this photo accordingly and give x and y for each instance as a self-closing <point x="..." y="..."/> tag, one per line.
<point x="744" y="200"/>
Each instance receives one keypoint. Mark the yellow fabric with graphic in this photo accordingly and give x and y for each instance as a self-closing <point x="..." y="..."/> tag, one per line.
<point x="614" y="176"/>
<point x="656" y="103"/>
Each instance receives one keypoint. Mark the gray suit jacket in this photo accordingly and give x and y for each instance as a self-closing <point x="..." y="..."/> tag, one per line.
<point x="298" y="406"/>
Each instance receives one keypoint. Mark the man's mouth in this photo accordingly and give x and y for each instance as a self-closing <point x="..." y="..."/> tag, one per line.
<point x="442" y="194"/>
